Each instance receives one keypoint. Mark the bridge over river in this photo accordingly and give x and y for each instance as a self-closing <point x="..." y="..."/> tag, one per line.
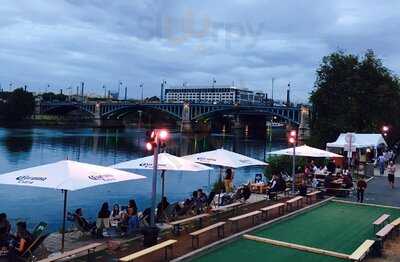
<point x="185" y="113"/>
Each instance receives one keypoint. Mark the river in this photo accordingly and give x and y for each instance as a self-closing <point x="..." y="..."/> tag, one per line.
<point x="28" y="147"/>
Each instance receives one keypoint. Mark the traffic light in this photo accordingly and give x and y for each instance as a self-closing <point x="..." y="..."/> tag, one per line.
<point x="292" y="137"/>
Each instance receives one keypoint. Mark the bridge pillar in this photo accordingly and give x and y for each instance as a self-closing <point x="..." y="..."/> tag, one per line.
<point x="236" y="123"/>
<point x="304" y="127"/>
<point x="97" y="115"/>
<point x="186" y="123"/>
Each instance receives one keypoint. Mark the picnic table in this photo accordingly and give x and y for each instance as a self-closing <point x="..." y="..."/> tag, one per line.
<point x="177" y="225"/>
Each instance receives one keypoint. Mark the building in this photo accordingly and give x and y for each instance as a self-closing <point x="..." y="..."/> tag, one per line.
<point x="213" y="94"/>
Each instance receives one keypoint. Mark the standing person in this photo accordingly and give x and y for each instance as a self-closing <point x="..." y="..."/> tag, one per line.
<point x="361" y="186"/>
<point x="391" y="170"/>
<point x="228" y="181"/>
<point x="381" y="163"/>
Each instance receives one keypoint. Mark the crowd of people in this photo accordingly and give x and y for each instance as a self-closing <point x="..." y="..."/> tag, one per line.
<point x="13" y="244"/>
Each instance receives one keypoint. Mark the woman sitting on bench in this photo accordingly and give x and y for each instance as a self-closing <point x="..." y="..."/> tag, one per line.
<point x="82" y="222"/>
<point x="24" y="237"/>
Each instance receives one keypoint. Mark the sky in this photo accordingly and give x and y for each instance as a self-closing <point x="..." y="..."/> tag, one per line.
<point x="51" y="45"/>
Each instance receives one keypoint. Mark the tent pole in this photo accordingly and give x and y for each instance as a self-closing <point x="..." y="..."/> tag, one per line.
<point x="63" y="225"/>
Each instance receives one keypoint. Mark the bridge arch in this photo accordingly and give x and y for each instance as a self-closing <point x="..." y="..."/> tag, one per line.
<point x="62" y="109"/>
<point x="119" y="112"/>
<point x="291" y="116"/>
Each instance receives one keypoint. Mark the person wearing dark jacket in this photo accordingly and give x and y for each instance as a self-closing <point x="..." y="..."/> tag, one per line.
<point x="361" y="186"/>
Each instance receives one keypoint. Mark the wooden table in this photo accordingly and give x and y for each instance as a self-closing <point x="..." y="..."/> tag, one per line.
<point x="259" y="188"/>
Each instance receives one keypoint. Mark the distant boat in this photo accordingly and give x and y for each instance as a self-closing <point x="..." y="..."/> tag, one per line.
<point x="276" y="124"/>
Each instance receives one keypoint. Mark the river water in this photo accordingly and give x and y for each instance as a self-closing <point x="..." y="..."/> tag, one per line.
<point x="23" y="148"/>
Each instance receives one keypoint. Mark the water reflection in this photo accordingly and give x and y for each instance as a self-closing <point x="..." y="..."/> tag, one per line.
<point x="22" y="148"/>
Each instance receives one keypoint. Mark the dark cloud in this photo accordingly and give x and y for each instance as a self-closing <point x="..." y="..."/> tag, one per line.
<point x="248" y="42"/>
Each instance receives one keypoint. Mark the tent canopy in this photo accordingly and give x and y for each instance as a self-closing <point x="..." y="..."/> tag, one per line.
<point x="66" y="175"/>
<point x="165" y="162"/>
<point x="305" y="151"/>
<point x="361" y="141"/>
<point x="225" y="158"/>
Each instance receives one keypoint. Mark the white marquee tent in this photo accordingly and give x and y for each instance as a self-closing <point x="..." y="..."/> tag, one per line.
<point x="360" y="141"/>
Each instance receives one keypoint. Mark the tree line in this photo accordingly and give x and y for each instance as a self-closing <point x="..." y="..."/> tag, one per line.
<point x="354" y="94"/>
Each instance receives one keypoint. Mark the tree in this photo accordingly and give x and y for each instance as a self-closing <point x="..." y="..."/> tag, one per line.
<point x="353" y="94"/>
<point x="19" y="105"/>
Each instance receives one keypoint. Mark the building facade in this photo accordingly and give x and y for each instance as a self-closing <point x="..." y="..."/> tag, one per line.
<point x="213" y="94"/>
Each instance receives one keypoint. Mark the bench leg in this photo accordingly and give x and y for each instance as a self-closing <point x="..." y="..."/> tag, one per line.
<point x="192" y="241"/>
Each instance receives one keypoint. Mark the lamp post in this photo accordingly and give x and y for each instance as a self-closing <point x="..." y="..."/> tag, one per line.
<point x="385" y="130"/>
<point x="293" y="140"/>
<point x="157" y="137"/>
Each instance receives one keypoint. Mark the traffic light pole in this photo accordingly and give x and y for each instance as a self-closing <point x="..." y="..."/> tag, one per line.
<point x="154" y="184"/>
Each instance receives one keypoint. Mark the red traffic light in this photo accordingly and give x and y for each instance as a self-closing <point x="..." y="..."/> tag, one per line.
<point x="292" y="140"/>
<point x="293" y="133"/>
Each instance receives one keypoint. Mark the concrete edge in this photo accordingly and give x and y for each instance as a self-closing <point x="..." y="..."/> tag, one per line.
<point x="363" y="204"/>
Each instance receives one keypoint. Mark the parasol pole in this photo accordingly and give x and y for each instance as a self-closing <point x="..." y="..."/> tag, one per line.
<point x="64" y="217"/>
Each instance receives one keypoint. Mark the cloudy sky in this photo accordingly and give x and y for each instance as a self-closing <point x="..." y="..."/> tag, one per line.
<point x="61" y="43"/>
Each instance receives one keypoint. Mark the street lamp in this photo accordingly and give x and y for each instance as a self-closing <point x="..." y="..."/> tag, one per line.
<point x="156" y="139"/>
<point x="292" y="140"/>
<point x="385" y="130"/>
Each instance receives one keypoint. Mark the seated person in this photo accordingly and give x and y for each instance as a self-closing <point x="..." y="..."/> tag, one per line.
<point x="7" y="244"/>
<point x="281" y="183"/>
<point x="202" y="196"/>
<point x="133" y="218"/>
<point x="315" y="182"/>
<point x="273" y="189"/>
<point x="5" y="222"/>
<point x="116" y="216"/>
<point x="24" y="237"/>
<point x="303" y="188"/>
<point x="328" y="180"/>
<point x="348" y="183"/>
<point x="82" y="222"/>
<point x="161" y="208"/>
<point x="103" y="219"/>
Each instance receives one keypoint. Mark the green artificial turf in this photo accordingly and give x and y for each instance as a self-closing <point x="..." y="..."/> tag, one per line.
<point x="250" y="251"/>
<point x="334" y="226"/>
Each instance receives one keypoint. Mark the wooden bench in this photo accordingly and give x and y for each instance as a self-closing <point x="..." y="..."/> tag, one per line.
<point x="177" y="224"/>
<point x="220" y="226"/>
<point x="235" y="220"/>
<point x="265" y="210"/>
<point x="233" y="206"/>
<point x="296" y="200"/>
<point x="310" y="196"/>
<point x="396" y="225"/>
<point x="384" y="232"/>
<point x="166" y="245"/>
<point x="89" y="248"/>
<point x="380" y="221"/>
<point x="361" y="252"/>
